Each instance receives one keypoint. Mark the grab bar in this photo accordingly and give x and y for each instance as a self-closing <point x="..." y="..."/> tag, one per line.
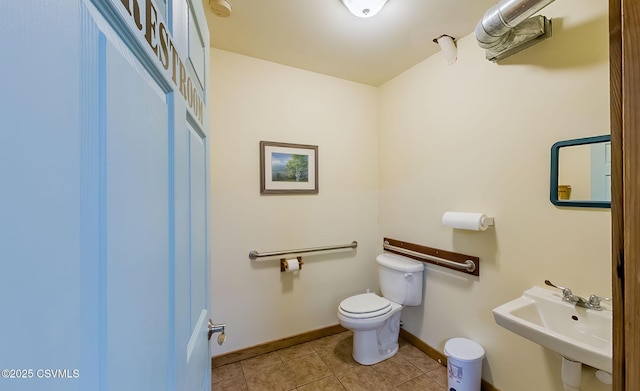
<point x="255" y="254"/>
<point x="468" y="265"/>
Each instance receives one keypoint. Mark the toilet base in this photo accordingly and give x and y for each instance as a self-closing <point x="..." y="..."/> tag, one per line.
<point x="372" y="346"/>
<point x="372" y="356"/>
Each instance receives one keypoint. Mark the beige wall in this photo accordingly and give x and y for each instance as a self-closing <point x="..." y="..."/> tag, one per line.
<point x="473" y="136"/>
<point x="254" y="100"/>
<point x="476" y="136"/>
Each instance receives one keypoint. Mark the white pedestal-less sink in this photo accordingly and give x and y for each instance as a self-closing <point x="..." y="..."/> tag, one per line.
<point x="578" y="334"/>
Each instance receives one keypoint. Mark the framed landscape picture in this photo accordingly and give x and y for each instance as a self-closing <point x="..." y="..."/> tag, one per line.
<point x="288" y="168"/>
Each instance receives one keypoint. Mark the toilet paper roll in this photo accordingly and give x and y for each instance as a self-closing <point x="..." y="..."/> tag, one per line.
<point x="293" y="265"/>
<point x="290" y="265"/>
<point x="471" y="221"/>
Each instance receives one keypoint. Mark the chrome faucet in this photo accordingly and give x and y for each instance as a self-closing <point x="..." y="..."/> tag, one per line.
<point x="592" y="303"/>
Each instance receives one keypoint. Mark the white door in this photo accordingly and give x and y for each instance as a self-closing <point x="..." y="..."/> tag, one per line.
<point x="103" y="198"/>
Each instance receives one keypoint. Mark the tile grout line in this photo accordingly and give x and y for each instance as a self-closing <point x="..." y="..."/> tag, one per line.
<point x="321" y="348"/>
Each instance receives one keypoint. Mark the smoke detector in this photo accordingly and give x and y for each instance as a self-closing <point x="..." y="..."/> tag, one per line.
<point x="222" y="8"/>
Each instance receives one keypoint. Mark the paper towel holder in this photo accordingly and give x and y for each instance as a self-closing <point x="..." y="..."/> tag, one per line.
<point x="466" y="220"/>
<point x="488" y="221"/>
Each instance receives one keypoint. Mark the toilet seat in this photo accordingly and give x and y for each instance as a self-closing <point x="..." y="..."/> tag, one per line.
<point x="365" y="305"/>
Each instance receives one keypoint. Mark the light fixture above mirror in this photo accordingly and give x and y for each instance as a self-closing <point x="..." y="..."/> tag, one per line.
<point x="364" y="8"/>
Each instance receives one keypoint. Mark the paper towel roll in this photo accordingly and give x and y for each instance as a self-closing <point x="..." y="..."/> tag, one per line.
<point x="472" y="221"/>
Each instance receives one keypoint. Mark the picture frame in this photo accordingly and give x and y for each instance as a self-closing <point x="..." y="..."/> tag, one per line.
<point x="288" y="168"/>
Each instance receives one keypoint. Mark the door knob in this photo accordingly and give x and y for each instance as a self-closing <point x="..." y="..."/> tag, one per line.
<point x="217" y="328"/>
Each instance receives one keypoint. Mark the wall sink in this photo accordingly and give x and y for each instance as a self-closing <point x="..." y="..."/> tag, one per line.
<point x="576" y="333"/>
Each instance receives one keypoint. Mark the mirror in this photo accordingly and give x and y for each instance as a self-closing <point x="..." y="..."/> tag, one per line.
<point x="581" y="172"/>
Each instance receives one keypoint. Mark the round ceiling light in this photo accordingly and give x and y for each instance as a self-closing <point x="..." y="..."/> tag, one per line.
<point x="364" y="8"/>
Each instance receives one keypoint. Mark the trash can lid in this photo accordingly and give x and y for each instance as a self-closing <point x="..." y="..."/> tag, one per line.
<point x="463" y="349"/>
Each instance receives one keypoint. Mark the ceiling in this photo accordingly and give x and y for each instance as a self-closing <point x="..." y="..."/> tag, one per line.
<point x="323" y="37"/>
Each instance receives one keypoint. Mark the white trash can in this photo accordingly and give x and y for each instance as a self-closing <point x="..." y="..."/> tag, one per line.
<point x="464" y="364"/>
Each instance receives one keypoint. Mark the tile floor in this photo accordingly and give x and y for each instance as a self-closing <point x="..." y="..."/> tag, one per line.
<point x="326" y="365"/>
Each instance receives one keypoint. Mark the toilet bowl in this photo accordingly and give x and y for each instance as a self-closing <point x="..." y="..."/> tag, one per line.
<point x="375" y="333"/>
<point x="375" y="320"/>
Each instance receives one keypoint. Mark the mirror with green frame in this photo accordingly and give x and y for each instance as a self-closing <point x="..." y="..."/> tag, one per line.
<point x="581" y="172"/>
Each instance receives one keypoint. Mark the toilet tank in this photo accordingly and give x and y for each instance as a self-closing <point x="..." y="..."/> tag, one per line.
<point x="400" y="278"/>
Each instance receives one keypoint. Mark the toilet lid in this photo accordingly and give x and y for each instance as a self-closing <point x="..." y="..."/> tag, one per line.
<point x="365" y="305"/>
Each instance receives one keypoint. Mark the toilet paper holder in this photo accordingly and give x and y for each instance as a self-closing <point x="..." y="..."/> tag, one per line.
<point x="284" y="265"/>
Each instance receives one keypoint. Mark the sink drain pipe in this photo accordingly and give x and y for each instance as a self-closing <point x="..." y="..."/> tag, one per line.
<point x="571" y="374"/>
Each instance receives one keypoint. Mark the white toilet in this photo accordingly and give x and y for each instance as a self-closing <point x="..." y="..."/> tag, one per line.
<point x="375" y="320"/>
